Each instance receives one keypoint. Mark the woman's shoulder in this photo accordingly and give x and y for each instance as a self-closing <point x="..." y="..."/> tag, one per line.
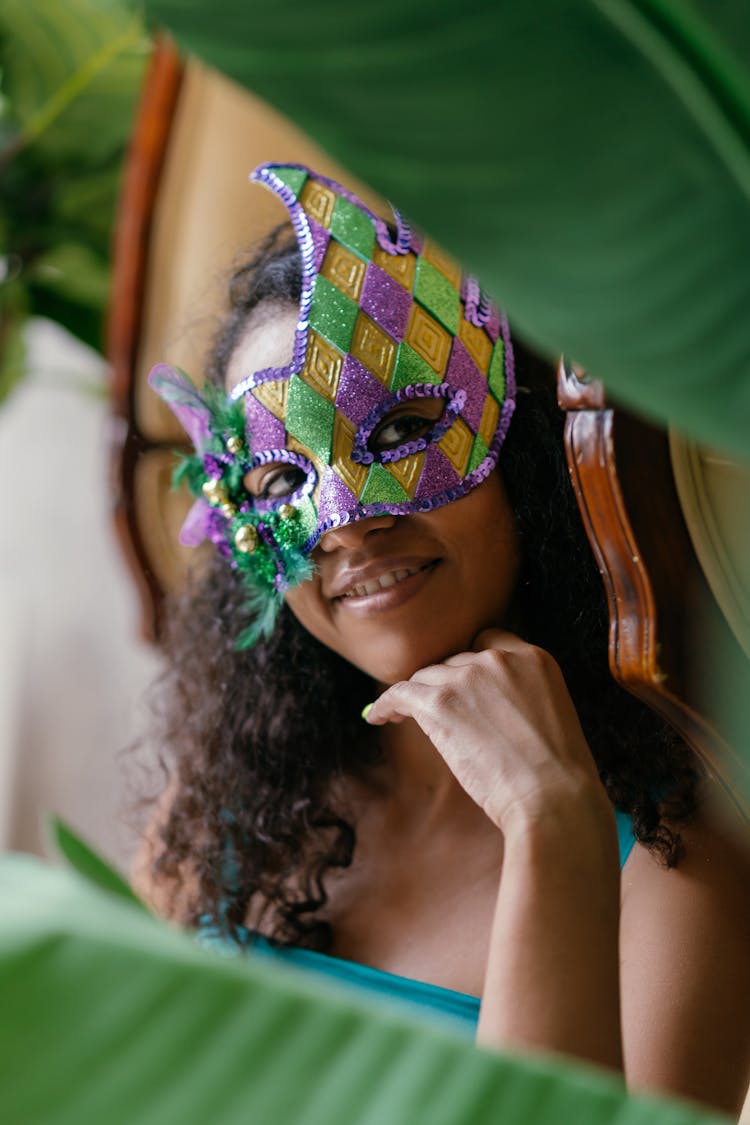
<point x="684" y="941"/>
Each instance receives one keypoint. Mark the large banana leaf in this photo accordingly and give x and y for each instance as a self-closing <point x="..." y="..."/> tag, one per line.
<point x="590" y="159"/>
<point x="110" y="1017"/>
<point x="71" y="74"/>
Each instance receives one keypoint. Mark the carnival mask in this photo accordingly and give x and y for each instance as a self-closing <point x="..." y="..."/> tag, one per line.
<point x="384" y="319"/>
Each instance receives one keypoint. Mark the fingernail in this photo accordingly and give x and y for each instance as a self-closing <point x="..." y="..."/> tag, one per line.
<point x="366" y="710"/>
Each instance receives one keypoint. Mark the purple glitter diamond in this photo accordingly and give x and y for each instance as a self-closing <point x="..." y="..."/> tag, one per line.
<point x="262" y="429"/>
<point x="321" y="238"/>
<point x="335" y="497"/>
<point x="359" y="391"/>
<point x="387" y="302"/>
<point x="463" y="372"/>
<point x="437" y="474"/>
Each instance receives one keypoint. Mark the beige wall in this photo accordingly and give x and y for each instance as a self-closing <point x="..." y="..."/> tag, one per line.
<point x="73" y="671"/>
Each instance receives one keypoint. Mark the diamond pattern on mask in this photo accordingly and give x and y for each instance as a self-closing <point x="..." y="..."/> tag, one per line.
<point x="352" y="474"/>
<point x="333" y="314"/>
<point x="323" y="364"/>
<point x="438" y="474"/>
<point x="428" y="339"/>
<point x="319" y="202"/>
<point x="411" y="368"/>
<point x="262" y="429"/>
<point x="407" y="472"/>
<point x="273" y="395"/>
<point x="478" y="453"/>
<point x="359" y="391"/>
<point x="496" y="373"/>
<point x="490" y="416"/>
<point x="344" y="269"/>
<point x="437" y="257"/>
<point x="456" y="445"/>
<point x="401" y="267"/>
<point x="382" y="487"/>
<point x="309" y="418"/>
<point x="438" y="295"/>
<point x="462" y="374"/>
<point x="353" y="227"/>
<point x="385" y="301"/>
<point x="374" y="348"/>
<point x="477" y="344"/>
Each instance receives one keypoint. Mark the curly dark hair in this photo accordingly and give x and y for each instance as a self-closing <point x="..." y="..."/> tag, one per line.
<point x="261" y="738"/>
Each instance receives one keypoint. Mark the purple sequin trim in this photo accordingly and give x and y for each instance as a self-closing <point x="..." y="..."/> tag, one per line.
<point x="454" y="399"/>
<point x="286" y="457"/>
<point x="267" y="176"/>
<point x="478" y="305"/>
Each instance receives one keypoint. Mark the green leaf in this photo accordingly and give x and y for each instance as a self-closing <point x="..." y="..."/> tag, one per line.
<point x="86" y="861"/>
<point x="591" y="164"/>
<point x="108" y="1016"/>
<point x="73" y="271"/>
<point x="71" y="68"/>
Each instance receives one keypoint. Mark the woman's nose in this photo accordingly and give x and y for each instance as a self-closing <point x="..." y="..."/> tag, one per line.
<point x="351" y="535"/>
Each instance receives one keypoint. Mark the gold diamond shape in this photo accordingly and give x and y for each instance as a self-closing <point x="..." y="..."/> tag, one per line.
<point x="273" y="396"/>
<point x="438" y="258"/>
<point x="488" y="425"/>
<point x="477" y="343"/>
<point x="318" y="201"/>
<point x="352" y="474"/>
<point x="456" y="445"/>
<point x="344" y="269"/>
<point x="428" y="338"/>
<point x="374" y="348"/>
<point x="400" y="267"/>
<point x="407" y="472"/>
<point x="323" y="365"/>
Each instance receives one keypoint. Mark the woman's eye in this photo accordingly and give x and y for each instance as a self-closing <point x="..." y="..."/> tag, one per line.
<point x="399" y="428"/>
<point x="277" y="483"/>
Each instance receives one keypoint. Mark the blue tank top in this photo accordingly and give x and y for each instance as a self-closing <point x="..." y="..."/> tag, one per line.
<point x="457" y="1008"/>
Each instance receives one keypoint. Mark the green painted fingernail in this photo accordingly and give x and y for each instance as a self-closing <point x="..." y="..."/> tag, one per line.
<point x="366" y="710"/>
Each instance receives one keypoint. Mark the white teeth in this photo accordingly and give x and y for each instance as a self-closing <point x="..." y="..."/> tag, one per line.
<point x="391" y="578"/>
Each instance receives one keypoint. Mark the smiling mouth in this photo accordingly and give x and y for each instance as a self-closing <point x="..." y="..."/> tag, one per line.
<point x="384" y="581"/>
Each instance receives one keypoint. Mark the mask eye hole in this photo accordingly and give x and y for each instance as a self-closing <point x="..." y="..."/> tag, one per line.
<point x="406" y="422"/>
<point x="275" y="481"/>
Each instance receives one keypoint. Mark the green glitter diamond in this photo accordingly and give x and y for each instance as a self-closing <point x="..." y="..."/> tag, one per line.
<point x="382" y="488"/>
<point x="333" y="314"/>
<point x="478" y="453"/>
<point x="496" y="372"/>
<point x="411" y="368"/>
<point x="294" y="178"/>
<point x="437" y="295"/>
<point x="309" y="418"/>
<point x="352" y="228"/>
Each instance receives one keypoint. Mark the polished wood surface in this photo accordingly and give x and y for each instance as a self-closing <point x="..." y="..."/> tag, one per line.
<point x="665" y="626"/>
<point x="131" y="447"/>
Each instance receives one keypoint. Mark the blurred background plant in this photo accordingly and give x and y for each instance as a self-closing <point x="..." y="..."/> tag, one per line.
<point x="70" y="76"/>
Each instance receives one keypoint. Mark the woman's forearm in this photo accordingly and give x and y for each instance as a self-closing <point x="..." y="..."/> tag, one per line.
<point x="552" y="980"/>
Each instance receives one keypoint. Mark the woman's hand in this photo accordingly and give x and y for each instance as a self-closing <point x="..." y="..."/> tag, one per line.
<point x="503" y="720"/>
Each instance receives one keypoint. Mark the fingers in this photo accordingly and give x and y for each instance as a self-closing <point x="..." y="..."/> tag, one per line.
<point x="498" y="639"/>
<point x="409" y="699"/>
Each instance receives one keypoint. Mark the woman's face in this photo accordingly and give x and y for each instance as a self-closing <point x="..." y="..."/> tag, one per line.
<point x="392" y="594"/>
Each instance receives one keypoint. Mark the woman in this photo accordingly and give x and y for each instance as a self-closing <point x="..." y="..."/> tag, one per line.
<point x="463" y="838"/>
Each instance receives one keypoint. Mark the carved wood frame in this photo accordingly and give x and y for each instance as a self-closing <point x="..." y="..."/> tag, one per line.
<point x="657" y="599"/>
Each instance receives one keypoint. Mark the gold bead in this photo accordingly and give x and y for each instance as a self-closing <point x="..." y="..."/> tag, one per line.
<point x="286" y="511"/>
<point x="234" y="444"/>
<point x="228" y="509"/>
<point x="214" y="491"/>
<point x="246" y="539"/>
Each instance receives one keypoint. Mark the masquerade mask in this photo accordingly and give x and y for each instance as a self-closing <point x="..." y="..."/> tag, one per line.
<point x="397" y="399"/>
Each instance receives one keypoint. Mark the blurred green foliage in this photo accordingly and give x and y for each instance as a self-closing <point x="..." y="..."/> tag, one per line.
<point x="71" y="72"/>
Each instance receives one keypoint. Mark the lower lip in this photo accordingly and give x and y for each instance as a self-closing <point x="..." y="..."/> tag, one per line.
<point x="389" y="598"/>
